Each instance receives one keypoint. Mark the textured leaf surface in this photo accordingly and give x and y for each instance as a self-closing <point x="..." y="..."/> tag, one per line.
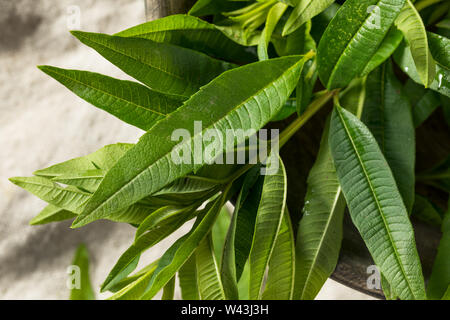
<point x="229" y="102"/>
<point x="240" y="233"/>
<point x="192" y="33"/>
<point x="280" y="278"/>
<point x="375" y="204"/>
<point x="390" y="43"/>
<point x="183" y="248"/>
<point x="163" y="67"/>
<point x="387" y="114"/>
<point x="411" y="24"/>
<point x="50" y="214"/>
<point x="131" y="102"/>
<point x="209" y="281"/>
<point x="85" y="291"/>
<point x="304" y="11"/>
<point x="267" y="225"/>
<point x="319" y="234"/>
<point x="353" y="37"/>
<point x="188" y="280"/>
<point x="158" y="226"/>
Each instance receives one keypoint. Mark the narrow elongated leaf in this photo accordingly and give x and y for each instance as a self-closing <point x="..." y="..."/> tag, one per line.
<point x="188" y="280"/>
<point x="70" y="198"/>
<point x="135" y="289"/>
<point x="163" y="67"/>
<point x="104" y="158"/>
<point x="411" y="24"/>
<point x="304" y="11"/>
<point x="50" y="214"/>
<point x="233" y="261"/>
<point x="219" y="233"/>
<point x="183" y="248"/>
<point x="209" y="281"/>
<point x="280" y="278"/>
<point x="446" y="294"/>
<point x="390" y="43"/>
<point x="353" y="37"/>
<point x="126" y="281"/>
<point x="275" y="14"/>
<point x="440" y="275"/>
<point x="192" y="33"/>
<point x="210" y="7"/>
<point x="267" y="226"/>
<point x="87" y="180"/>
<point x="320" y="231"/>
<point x="131" y="102"/>
<point x="440" y="48"/>
<point x="84" y="291"/>
<point x="169" y="290"/>
<point x="375" y="204"/>
<point x="163" y="224"/>
<point x="441" y="83"/>
<point x="229" y="102"/>
<point x="387" y="114"/>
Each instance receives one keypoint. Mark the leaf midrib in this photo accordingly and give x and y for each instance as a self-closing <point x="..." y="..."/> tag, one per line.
<point x="322" y="239"/>
<point x="397" y="257"/>
<point x="109" y="94"/>
<point x="194" y="136"/>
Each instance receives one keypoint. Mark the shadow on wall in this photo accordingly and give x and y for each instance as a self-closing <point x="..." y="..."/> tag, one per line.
<point x="15" y="25"/>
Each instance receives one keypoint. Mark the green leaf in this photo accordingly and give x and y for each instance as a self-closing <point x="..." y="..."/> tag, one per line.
<point x="320" y="231"/>
<point x="69" y="198"/>
<point x="131" y="102"/>
<point x="304" y="11"/>
<point x="440" y="48"/>
<point x="390" y="43"/>
<point x="163" y="67"/>
<point x="159" y="225"/>
<point x="219" y="233"/>
<point x="136" y="288"/>
<point x="229" y="102"/>
<point x="275" y="14"/>
<point x="352" y="38"/>
<point x="50" y="214"/>
<point x="84" y="291"/>
<point x="240" y="233"/>
<point x="410" y="23"/>
<point x="209" y="281"/>
<point x="192" y="33"/>
<point x="211" y="7"/>
<point x="174" y="258"/>
<point x="387" y="114"/>
<point x="424" y="101"/>
<point x="281" y="275"/>
<point x="447" y="294"/>
<point x="375" y="204"/>
<point x="188" y="280"/>
<point x="440" y="275"/>
<point x="425" y="211"/>
<point x="403" y="57"/>
<point x="169" y="290"/>
<point x="267" y="226"/>
<point x="104" y="158"/>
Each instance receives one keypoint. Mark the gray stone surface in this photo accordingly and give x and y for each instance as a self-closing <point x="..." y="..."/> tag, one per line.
<point x="42" y="123"/>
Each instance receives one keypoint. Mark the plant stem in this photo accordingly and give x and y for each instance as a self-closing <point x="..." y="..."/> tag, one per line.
<point x="312" y="109"/>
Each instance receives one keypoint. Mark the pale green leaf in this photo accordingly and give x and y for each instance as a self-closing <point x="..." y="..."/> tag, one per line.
<point x="411" y="25"/>
<point x="84" y="291"/>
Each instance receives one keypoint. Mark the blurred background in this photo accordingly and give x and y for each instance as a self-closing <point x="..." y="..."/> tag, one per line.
<point x="43" y="123"/>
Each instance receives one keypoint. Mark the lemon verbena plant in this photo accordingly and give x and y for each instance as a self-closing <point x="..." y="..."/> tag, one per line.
<point x="226" y="71"/>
